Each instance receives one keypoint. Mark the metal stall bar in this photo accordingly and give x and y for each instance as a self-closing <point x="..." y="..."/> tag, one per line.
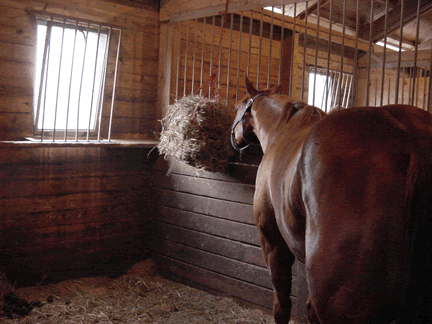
<point x="114" y="85"/>
<point x="355" y="74"/>
<point x="250" y="43"/>
<point x="429" y="100"/>
<point x="178" y="60"/>
<point x="304" y="52"/>
<point x="400" y="51"/>
<point x="220" y="54"/>
<point x="270" y="51"/>
<point x="316" y="51"/>
<point x="186" y="60"/>
<point x="342" y="53"/>
<point x="94" y="82"/>
<point x="229" y="59"/>
<point x="349" y="90"/>
<point x="292" y="50"/>
<point x="415" y="51"/>
<point x="202" y="53"/>
<point x="369" y="53"/>
<point x="281" y="48"/>
<point x="384" y="54"/>
<point x="58" y="82"/>
<point x="328" y="79"/>
<point x="194" y="55"/>
<point x="102" y="93"/>
<point x="260" y="50"/>
<point x="211" y="56"/>
<point x="44" y="78"/>
<point x="70" y="82"/>
<point x="81" y="82"/>
<point x="239" y="56"/>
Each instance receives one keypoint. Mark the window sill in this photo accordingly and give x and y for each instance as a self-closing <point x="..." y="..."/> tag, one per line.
<point x="34" y="142"/>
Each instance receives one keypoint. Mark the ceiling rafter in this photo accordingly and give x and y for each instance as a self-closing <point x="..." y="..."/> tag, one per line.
<point x="393" y="19"/>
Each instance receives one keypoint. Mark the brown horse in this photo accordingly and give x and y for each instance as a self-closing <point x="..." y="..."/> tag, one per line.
<point x="348" y="194"/>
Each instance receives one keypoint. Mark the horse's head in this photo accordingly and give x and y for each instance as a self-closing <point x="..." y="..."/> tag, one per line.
<point x="242" y="130"/>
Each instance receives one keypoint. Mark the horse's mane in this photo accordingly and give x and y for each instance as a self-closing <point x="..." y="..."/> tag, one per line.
<point x="292" y="107"/>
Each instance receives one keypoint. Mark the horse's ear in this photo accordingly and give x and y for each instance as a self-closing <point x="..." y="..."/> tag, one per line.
<point x="249" y="86"/>
<point x="277" y="90"/>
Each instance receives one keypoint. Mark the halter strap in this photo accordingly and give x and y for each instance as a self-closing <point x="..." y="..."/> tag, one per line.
<point x="242" y="119"/>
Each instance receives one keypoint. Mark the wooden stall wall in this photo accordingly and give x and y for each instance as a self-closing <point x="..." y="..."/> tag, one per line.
<point x="204" y="233"/>
<point x="67" y="212"/>
<point x="134" y="112"/>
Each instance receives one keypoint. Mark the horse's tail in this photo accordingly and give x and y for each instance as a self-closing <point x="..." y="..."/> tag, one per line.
<point x="418" y="236"/>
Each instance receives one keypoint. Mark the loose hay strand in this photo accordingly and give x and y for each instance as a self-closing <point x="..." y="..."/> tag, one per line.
<point x="195" y="131"/>
<point x="140" y="296"/>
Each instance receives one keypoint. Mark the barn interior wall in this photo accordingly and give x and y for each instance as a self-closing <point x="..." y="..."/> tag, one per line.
<point x="134" y="114"/>
<point x="64" y="205"/>
<point x="73" y="211"/>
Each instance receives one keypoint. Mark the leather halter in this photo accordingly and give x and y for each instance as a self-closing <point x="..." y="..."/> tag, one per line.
<point x="242" y="119"/>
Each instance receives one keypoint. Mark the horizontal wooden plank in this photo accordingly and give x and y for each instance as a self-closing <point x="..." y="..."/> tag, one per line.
<point x="240" y="173"/>
<point x="74" y="170"/>
<point x="210" y="243"/>
<point x="245" y="233"/>
<point x="67" y="185"/>
<point x="213" y="262"/>
<point x="34" y="221"/>
<point x="75" y="154"/>
<point x="203" y="205"/>
<point x="40" y="240"/>
<point x="39" y="204"/>
<point x="206" y="187"/>
<point x="224" y="284"/>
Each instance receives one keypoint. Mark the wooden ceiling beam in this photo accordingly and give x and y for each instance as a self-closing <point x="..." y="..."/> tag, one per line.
<point x="312" y="8"/>
<point x="393" y="19"/>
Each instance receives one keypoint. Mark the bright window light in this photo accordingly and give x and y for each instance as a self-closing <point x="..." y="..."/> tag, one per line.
<point x="71" y="91"/>
<point x="389" y="46"/>
<point x="320" y="90"/>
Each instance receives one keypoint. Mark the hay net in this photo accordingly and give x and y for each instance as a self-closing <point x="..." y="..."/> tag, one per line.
<point x="195" y="131"/>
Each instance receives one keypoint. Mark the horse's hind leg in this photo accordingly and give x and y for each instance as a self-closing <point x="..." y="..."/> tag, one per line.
<point x="279" y="261"/>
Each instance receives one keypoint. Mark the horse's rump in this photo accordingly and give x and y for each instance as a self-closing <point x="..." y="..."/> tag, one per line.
<point x="367" y="180"/>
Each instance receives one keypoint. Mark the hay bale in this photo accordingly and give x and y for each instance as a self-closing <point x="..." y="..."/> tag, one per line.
<point x="196" y="131"/>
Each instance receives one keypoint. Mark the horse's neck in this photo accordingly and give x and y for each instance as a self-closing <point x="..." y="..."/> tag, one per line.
<point x="274" y="123"/>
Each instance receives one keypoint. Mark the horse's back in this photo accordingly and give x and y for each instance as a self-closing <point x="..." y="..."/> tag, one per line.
<point x="360" y="170"/>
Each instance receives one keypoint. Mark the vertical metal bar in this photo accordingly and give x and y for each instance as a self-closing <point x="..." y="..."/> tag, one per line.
<point x="202" y="53"/>
<point x="410" y="84"/>
<point x="239" y="56"/>
<point x="342" y="53"/>
<point x="292" y="50"/>
<point x="345" y="98"/>
<point x="328" y="78"/>
<point x="335" y="96"/>
<point x="220" y="55"/>
<point x="178" y="60"/>
<point x="102" y="94"/>
<point x="186" y="61"/>
<point x="429" y="101"/>
<point x="316" y="50"/>
<point x="260" y="50"/>
<point x="81" y="82"/>
<point x="94" y="82"/>
<point x="355" y="74"/>
<point x="229" y="58"/>
<point x="424" y="87"/>
<point x="370" y="52"/>
<point x="388" y="88"/>
<point x="376" y="91"/>
<point x="58" y="82"/>
<point x="399" y="52"/>
<point x="304" y="53"/>
<point x="349" y="91"/>
<point x="70" y="81"/>
<point x="114" y="85"/>
<point x="250" y="43"/>
<point x="281" y="47"/>
<point x="44" y="78"/>
<point x="403" y="88"/>
<point x="270" y="50"/>
<point x="384" y="56"/>
<point x="211" y="56"/>
<point x="418" y="86"/>
<point x="194" y="55"/>
<point x="416" y="49"/>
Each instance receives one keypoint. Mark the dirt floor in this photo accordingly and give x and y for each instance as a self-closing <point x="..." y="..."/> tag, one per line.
<point x="140" y="296"/>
